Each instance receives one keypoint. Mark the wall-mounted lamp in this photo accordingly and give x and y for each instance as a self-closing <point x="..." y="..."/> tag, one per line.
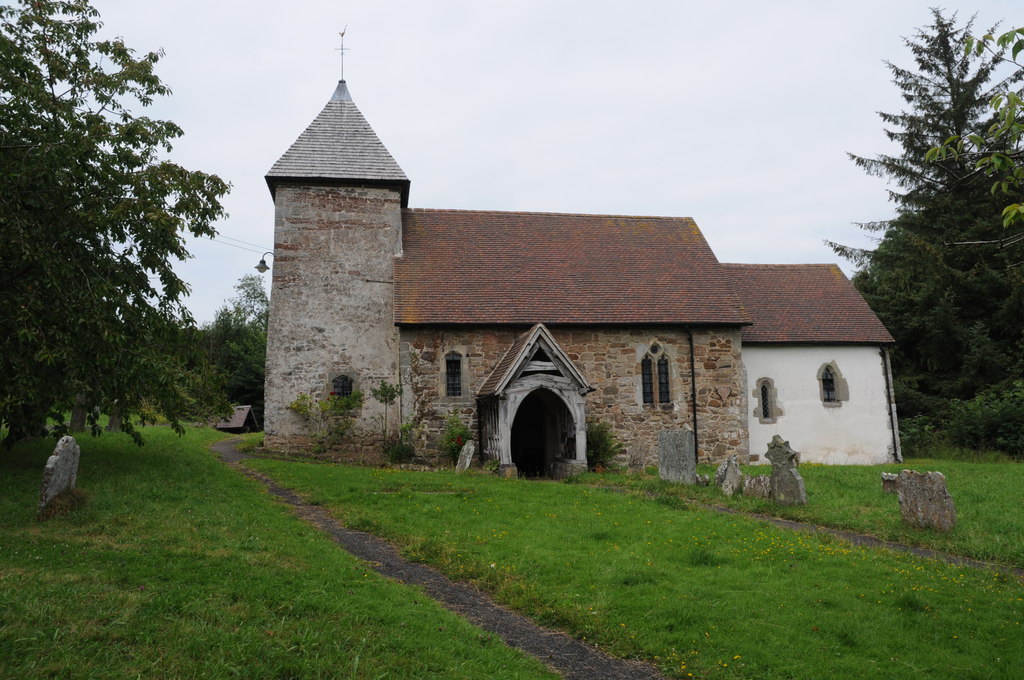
<point x="262" y="267"/>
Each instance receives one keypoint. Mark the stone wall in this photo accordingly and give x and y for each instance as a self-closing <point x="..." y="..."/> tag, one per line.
<point x="331" y="302"/>
<point x="610" y="359"/>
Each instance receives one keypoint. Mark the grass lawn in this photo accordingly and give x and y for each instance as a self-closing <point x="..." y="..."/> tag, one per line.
<point x="180" y="568"/>
<point x="696" y="592"/>
<point x="987" y="496"/>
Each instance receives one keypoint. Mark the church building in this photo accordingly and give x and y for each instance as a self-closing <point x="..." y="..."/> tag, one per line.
<point x="529" y="326"/>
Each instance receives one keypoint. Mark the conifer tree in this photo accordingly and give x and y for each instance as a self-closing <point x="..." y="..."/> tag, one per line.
<point x="943" y="277"/>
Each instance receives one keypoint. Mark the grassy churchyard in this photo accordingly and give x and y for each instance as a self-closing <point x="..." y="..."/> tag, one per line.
<point x="179" y="567"/>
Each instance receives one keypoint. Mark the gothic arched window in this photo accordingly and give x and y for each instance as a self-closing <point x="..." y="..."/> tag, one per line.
<point x="664" y="396"/>
<point x="647" y="380"/>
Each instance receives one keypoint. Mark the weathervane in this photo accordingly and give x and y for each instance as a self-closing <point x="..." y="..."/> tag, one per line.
<point x="342" y="50"/>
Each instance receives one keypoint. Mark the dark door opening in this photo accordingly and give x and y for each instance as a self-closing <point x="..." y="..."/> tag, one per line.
<point x="537" y="433"/>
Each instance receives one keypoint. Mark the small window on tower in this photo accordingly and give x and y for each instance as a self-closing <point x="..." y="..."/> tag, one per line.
<point x="453" y="374"/>
<point x="341" y="386"/>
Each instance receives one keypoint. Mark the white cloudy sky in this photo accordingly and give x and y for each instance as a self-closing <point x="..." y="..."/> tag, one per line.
<point x="738" y="114"/>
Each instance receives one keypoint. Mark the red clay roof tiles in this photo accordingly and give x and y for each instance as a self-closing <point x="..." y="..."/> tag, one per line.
<point x="477" y="267"/>
<point x="804" y="303"/>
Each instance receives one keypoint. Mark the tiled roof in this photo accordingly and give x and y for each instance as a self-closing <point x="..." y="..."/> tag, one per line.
<point x="338" y="145"/>
<point x="804" y="303"/>
<point x="462" y="267"/>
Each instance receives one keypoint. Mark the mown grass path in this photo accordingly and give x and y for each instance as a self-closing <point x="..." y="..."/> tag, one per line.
<point x="570" y="657"/>
<point x="696" y="593"/>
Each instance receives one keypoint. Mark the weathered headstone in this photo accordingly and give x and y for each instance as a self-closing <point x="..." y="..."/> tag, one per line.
<point x="61" y="471"/>
<point x="759" y="486"/>
<point x="703" y="480"/>
<point x="466" y="454"/>
<point x="924" y="500"/>
<point x="728" y="477"/>
<point x="635" y="462"/>
<point x="677" y="461"/>
<point x="787" y="486"/>
<point x="889" y="482"/>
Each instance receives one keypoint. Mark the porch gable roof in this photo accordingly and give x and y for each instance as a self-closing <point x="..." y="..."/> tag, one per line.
<point x="519" y="358"/>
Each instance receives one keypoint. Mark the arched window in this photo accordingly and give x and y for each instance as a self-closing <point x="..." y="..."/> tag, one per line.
<point x="647" y="380"/>
<point x="832" y="386"/>
<point x="828" y="386"/>
<point x="664" y="396"/>
<point x="766" y="401"/>
<point x="453" y="374"/>
<point x="341" y="386"/>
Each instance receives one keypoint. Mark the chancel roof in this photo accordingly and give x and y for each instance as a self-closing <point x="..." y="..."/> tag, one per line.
<point x="804" y="303"/>
<point x="482" y="267"/>
<point x="339" y="145"/>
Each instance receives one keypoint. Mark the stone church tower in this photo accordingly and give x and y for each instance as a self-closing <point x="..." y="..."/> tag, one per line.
<point x="338" y="196"/>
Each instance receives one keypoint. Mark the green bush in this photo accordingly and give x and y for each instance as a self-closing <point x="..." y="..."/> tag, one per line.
<point x="329" y="419"/>
<point x="400" y="452"/>
<point x="602" y="445"/>
<point x="456" y="434"/>
<point x="991" y="420"/>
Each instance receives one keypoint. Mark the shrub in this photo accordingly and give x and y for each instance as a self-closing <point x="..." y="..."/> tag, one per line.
<point x="992" y="420"/>
<point x="456" y="434"/>
<point x="330" y="419"/>
<point x="400" y="452"/>
<point x="602" y="445"/>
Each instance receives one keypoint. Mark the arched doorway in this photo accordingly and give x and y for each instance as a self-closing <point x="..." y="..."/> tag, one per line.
<point x="542" y="431"/>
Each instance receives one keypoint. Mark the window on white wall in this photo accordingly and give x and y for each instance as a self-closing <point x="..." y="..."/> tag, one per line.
<point x="766" y="403"/>
<point x="831" y="385"/>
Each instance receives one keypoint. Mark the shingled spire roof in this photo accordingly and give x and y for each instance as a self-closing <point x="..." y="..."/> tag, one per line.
<point x="339" y="147"/>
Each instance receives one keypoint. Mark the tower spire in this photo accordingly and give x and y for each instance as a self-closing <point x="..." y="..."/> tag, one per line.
<point x="342" y="51"/>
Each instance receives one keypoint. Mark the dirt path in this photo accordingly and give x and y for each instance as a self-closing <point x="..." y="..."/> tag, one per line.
<point x="571" y="658"/>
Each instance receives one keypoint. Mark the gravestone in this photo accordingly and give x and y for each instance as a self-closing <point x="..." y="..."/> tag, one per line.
<point x="728" y="477"/>
<point x="61" y="471"/>
<point x="889" y="482"/>
<point x="703" y="480"/>
<point x="466" y="454"/>
<point x="924" y="500"/>
<point x="676" y="459"/>
<point x="787" y="486"/>
<point x="635" y="462"/>
<point x="758" y="486"/>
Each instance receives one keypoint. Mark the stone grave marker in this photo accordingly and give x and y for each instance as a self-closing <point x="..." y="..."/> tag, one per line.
<point x="924" y="500"/>
<point x="466" y="454"/>
<point x="759" y="486"/>
<point x="635" y="462"/>
<point x="676" y="459"/>
<point x="728" y="477"/>
<point x="61" y="471"/>
<point x="889" y="482"/>
<point x="787" y="486"/>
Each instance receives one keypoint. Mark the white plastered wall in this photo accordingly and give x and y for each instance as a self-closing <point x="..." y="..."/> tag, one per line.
<point x="857" y="432"/>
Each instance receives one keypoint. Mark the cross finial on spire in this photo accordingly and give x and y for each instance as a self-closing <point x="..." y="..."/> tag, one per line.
<point x="342" y="50"/>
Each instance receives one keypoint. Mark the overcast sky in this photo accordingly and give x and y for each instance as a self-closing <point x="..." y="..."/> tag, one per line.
<point x="738" y="114"/>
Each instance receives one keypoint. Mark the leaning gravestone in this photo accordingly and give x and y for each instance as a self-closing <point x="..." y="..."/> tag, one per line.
<point x="728" y="477"/>
<point x="466" y="454"/>
<point x="676" y="459"/>
<point x="787" y="486"/>
<point x="924" y="500"/>
<point x="61" y="471"/>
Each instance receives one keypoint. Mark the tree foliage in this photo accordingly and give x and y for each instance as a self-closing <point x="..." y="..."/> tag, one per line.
<point x="92" y="217"/>
<point x="942" y="278"/>
<point x="236" y="343"/>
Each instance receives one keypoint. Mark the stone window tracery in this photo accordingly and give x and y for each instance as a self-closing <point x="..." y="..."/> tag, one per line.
<point x="832" y="387"/>
<point x="766" y="401"/>
<point x="655" y="360"/>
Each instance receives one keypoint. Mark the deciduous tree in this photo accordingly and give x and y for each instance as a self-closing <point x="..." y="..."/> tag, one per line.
<point x="92" y="217"/>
